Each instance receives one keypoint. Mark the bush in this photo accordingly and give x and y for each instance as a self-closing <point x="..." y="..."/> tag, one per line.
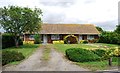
<point x="11" y="56"/>
<point x="20" y="42"/>
<point x="116" y="52"/>
<point x="93" y="41"/>
<point x="85" y="42"/>
<point x="37" y="39"/>
<point x="109" y="37"/>
<point x="99" y="52"/>
<point x="8" y="41"/>
<point x="81" y="55"/>
<point x="28" y="42"/>
<point x="58" y="42"/>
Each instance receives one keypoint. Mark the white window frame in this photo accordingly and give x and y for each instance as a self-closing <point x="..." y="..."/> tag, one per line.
<point x="55" y="37"/>
<point x="90" y="37"/>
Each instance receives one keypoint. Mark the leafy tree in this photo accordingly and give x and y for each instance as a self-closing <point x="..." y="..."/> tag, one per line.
<point x="109" y="37"/>
<point x="18" y="20"/>
<point x="118" y="29"/>
<point x="99" y="29"/>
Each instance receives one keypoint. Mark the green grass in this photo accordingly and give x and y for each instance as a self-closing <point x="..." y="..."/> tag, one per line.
<point x="99" y="65"/>
<point x="63" y="47"/>
<point x="103" y="45"/>
<point x="46" y="54"/>
<point x="26" y="50"/>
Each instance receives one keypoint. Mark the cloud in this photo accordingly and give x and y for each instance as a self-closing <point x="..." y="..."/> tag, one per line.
<point x="102" y="13"/>
<point x="107" y="25"/>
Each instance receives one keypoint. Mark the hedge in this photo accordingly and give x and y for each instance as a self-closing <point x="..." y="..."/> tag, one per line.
<point x="11" y="56"/>
<point x="81" y="55"/>
<point x="58" y="42"/>
<point x="8" y="41"/>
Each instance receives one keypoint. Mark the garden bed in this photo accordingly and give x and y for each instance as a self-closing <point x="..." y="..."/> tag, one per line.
<point x="94" y="65"/>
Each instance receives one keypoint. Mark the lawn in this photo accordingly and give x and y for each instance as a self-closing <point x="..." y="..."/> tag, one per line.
<point x="99" y="65"/>
<point x="63" y="47"/>
<point x="26" y="50"/>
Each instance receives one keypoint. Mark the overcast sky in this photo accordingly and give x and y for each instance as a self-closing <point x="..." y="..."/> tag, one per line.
<point x="103" y="13"/>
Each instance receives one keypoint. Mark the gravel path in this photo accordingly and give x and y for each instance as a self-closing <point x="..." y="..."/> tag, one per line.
<point x="57" y="62"/>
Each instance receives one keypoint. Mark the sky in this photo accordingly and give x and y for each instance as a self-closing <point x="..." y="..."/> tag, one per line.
<point x="102" y="13"/>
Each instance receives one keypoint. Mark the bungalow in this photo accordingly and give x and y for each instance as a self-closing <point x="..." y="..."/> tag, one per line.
<point x="51" y="32"/>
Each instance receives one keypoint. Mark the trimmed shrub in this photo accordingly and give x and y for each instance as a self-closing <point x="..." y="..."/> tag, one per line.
<point x="58" y="42"/>
<point x="81" y="41"/>
<point x="93" y="41"/>
<point x="99" y="52"/>
<point x="11" y="56"/>
<point x="85" y="42"/>
<point x="81" y="55"/>
<point x="28" y="42"/>
<point x="8" y="41"/>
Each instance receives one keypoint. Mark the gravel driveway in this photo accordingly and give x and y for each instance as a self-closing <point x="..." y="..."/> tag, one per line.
<point x="57" y="62"/>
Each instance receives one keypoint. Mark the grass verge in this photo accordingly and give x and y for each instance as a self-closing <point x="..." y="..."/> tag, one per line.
<point x="97" y="65"/>
<point x="46" y="54"/>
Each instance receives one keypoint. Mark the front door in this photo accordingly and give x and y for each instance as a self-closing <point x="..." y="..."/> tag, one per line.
<point x="44" y="38"/>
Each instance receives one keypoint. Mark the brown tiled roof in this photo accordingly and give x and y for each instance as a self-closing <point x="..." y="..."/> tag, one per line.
<point x="68" y="29"/>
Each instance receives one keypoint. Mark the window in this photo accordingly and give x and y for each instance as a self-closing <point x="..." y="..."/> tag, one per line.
<point x="31" y="37"/>
<point x="55" y="37"/>
<point x="80" y="37"/>
<point x="90" y="37"/>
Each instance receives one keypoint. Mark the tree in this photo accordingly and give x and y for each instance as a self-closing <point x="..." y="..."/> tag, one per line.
<point x="99" y="29"/>
<point x="118" y="29"/>
<point x="18" y="20"/>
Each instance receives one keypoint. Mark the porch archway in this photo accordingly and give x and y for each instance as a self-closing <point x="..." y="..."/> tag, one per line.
<point x="70" y="39"/>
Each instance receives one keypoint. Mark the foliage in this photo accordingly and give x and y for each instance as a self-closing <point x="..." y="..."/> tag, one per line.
<point x="99" y="52"/>
<point x="28" y="42"/>
<point x="81" y="41"/>
<point x="109" y="38"/>
<point x="11" y="56"/>
<point x="17" y="20"/>
<point x="37" y="39"/>
<point x="58" y="42"/>
<point x="116" y="52"/>
<point x="118" y="29"/>
<point x="81" y="55"/>
<point x="85" y="41"/>
<point x="93" y="41"/>
<point x="70" y="39"/>
<point x="8" y="41"/>
<point x="99" y="29"/>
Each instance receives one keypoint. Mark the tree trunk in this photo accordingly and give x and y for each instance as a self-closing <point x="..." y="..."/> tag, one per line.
<point x="17" y="41"/>
<point x="110" y="61"/>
